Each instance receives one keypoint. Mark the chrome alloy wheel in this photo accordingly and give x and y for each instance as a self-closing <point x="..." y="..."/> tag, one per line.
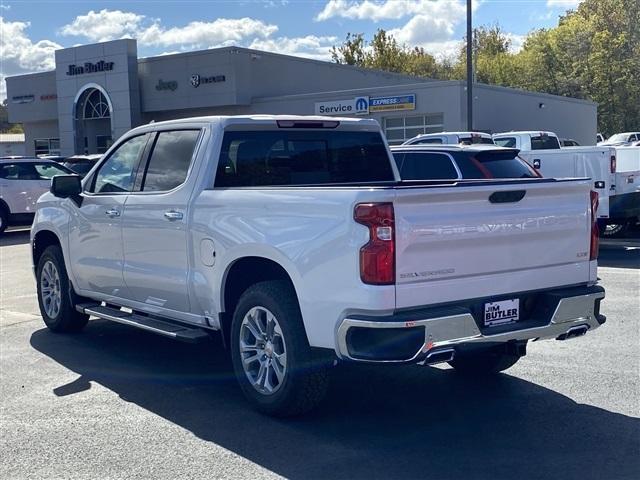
<point x="50" y="289"/>
<point x="263" y="350"/>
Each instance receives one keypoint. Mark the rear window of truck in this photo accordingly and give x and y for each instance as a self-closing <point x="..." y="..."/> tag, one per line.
<point x="302" y="157"/>
<point x="494" y="164"/>
<point x="544" y="142"/>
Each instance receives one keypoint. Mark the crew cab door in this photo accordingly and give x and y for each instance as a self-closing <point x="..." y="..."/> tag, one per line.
<point x="95" y="235"/>
<point x="155" y="223"/>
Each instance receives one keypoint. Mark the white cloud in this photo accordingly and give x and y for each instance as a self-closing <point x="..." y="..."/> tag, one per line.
<point x="5" y="7"/>
<point x="222" y="31"/>
<point x="114" y="24"/>
<point x="390" y="9"/>
<point x="432" y="24"/>
<point x="21" y="55"/>
<point x="104" y="25"/>
<point x="566" y="4"/>
<point x="311" y="46"/>
<point x="517" y="42"/>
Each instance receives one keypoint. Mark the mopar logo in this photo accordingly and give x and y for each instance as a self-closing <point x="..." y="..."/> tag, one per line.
<point x="362" y="105"/>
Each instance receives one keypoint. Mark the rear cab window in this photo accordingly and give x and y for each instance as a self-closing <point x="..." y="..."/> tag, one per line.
<point x="544" y="142"/>
<point x="302" y="157"/>
<point x="508" y="142"/>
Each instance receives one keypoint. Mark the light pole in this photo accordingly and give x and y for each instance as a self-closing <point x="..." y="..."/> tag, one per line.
<point x="469" y="69"/>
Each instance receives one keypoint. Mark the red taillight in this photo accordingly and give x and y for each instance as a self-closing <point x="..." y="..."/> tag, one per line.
<point x="377" y="257"/>
<point x="595" y="231"/>
<point x="612" y="163"/>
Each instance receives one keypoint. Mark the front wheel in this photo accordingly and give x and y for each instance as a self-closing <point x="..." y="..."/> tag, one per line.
<point x="56" y="295"/>
<point x="273" y="363"/>
<point x="486" y="362"/>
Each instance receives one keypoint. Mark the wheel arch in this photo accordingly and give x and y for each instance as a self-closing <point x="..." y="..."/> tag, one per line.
<point x="4" y="206"/>
<point x="41" y="241"/>
<point x="239" y="276"/>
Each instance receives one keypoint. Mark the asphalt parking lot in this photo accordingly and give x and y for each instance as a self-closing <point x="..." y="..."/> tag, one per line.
<point x="113" y="402"/>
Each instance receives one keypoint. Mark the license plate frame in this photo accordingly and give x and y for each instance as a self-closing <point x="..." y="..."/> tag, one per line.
<point x="502" y="312"/>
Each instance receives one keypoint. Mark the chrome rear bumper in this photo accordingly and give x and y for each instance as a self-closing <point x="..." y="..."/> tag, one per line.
<point x="453" y="326"/>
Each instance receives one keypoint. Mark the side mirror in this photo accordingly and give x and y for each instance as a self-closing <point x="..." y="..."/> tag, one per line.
<point x="65" y="186"/>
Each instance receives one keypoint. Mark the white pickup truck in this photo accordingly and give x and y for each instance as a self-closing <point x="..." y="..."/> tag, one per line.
<point x="543" y="151"/>
<point x="295" y="238"/>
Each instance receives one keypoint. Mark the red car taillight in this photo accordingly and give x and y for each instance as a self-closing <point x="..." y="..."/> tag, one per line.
<point x="595" y="231"/>
<point x="612" y="164"/>
<point x="377" y="257"/>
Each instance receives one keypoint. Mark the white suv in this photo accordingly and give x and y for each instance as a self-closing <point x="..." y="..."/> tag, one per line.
<point x="22" y="181"/>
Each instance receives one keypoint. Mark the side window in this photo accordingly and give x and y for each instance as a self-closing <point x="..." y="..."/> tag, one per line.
<point x="19" y="171"/>
<point x="10" y="171"/>
<point x="170" y="160"/>
<point x="509" y="142"/>
<point x="437" y="140"/>
<point x="427" y="166"/>
<point x="49" y="170"/>
<point x="118" y="172"/>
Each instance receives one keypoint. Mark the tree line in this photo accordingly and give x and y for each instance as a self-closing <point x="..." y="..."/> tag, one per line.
<point x="593" y="53"/>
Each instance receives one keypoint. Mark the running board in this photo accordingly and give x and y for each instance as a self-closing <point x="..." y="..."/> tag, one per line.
<point x="161" y="327"/>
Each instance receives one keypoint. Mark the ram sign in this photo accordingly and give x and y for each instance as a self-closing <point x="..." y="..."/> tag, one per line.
<point x="351" y="106"/>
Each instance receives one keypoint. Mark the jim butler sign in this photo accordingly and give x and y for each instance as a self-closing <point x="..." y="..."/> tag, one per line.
<point x="89" y="67"/>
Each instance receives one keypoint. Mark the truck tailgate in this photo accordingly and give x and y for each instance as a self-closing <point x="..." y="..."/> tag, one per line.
<point x="453" y="243"/>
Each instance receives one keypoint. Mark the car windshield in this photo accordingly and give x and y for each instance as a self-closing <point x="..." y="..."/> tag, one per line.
<point x="618" y="137"/>
<point x="82" y="167"/>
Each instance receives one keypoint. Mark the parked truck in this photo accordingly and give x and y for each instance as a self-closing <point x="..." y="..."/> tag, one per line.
<point x="543" y="151"/>
<point x="295" y="239"/>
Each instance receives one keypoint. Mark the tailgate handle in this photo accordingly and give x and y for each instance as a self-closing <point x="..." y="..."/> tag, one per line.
<point x="510" y="196"/>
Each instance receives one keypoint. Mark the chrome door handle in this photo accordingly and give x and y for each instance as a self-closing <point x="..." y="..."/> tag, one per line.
<point x="112" y="213"/>
<point x="173" y="215"/>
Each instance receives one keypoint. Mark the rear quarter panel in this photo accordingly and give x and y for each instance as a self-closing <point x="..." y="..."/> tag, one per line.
<point x="310" y="232"/>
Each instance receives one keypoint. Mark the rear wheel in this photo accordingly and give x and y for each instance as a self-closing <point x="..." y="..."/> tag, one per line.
<point x="56" y="297"/>
<point x="273" y="363"/>
<point x="486" y="362"/>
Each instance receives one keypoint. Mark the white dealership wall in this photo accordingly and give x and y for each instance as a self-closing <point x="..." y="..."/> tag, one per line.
<point x="235" y="80"/>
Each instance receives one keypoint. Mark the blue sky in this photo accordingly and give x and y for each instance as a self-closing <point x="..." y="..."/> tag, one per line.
<point x="32" y="30"/>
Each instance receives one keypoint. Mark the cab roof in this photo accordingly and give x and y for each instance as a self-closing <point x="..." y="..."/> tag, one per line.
<point x="270" y="120"/>
<point x="475" y="147"/>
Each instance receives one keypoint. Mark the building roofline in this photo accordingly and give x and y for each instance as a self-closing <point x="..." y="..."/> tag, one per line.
<point x="281" y="55"/>
<point x="533" y="94"/>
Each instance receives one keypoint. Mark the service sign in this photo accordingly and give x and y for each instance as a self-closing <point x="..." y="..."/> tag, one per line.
<point x="398" y="102"/>
<point x="351" y="106"/>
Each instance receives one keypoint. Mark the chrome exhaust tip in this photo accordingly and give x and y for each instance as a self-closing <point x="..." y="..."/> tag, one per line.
<point x="440" y="356"/>
<point x="574" y="332"/>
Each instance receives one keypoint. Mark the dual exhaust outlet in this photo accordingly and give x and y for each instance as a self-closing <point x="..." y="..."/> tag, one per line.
<point x="439" y="356"/>
<point x="574" y="332"/>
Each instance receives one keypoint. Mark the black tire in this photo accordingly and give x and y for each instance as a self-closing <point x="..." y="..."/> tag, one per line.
<point x="4" y="219"/>
<point x="305" y="378"/>
<point x="614" y="230"/>
<point x="67" y="319"/>
<point x="486" y="362"/>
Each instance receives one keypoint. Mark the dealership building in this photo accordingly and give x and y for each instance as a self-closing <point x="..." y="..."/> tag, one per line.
<point x="97" y="92"/>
